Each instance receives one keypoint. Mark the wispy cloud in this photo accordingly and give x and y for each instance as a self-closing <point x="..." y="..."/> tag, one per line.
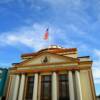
<point x="31" y="36"/>
<point x="96" y="66"/>
<point x="28" y="36"/>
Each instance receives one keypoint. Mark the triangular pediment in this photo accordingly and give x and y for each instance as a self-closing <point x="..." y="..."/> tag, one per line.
<point x="47" y="58"/>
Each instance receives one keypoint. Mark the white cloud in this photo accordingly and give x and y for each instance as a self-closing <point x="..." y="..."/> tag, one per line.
<point x="96" y="72"/>
<point x="77" y="30"/>
<point x="96" y="66"/>
<point x="23" y="36"/>
<point x="29" y="36"/>
<point x="96" y="75"/>
<point x="32" y="37"/>
<point x="97" y="52"/>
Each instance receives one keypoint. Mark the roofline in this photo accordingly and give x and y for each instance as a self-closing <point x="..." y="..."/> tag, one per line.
<point x="41" y="53"/>
<point x="84" y="57"/>
<point x="47" y="49"/>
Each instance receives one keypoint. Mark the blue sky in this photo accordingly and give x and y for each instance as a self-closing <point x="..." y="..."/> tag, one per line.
<point x="72" y="23"/>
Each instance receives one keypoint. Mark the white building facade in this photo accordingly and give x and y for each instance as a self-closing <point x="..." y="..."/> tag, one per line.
<point x="51" y="74"/>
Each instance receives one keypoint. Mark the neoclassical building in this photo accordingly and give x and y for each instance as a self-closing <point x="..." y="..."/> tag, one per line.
<point x="53" y="73"/>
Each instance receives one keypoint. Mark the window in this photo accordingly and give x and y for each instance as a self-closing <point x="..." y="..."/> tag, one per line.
<point x="29" y="90"/>
<point x="46" y="87"/>
<point x="63" y="87"/>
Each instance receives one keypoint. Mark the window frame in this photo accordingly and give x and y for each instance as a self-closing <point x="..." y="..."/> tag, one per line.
<point x="60" y="86"/>
<point x="27" y="97"/>
<point x="43" y="81"/>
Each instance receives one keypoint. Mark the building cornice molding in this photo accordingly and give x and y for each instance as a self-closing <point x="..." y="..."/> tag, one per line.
<point x="25" y="71"/>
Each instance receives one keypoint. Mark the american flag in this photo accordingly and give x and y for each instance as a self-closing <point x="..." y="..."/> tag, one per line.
<point x="46" y="35"/>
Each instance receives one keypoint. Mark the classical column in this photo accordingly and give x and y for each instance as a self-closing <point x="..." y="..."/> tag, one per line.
<point x="39" y="87"/>
<point x="15" y="91"/>
<point x="54" y="86"/>
<point x="8" y="88"/>
<point x="11" y="88"/>
<point x="78" y="85"/>
<point x="71" y="86"/>
<point x="35" y="88"/>
<point x="21" y="89"/>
